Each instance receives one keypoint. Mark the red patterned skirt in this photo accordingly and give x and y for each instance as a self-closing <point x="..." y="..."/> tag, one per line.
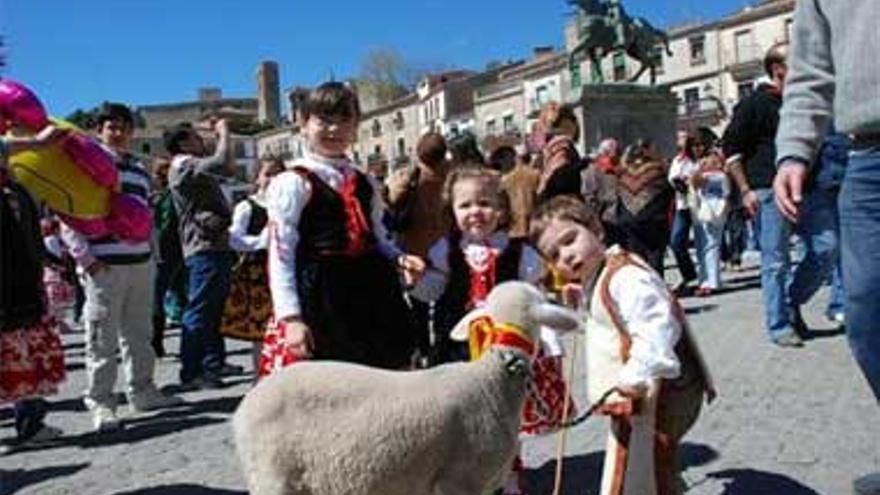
<point x="552" y="390"/>
<point x="31" y="361"/>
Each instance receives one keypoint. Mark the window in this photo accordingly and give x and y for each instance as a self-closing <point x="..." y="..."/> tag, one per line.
<point x="789" y="25"/>
<point x="508" y="124"/>
<point x="744" y="89"/>
<point x="692" y="100"/>
<point x="698" y="50"/>
<point x="660" y="50"/>
<point x="490" y="127"/>
<point x="398" y="120"/>
<point x="145" y="148"/>
<point x="743" y="44"/>
<point x="542" y="94"/>
<point x="401" y="147"/>
<point x="619" y="66"/>
<point x="377" y="128"/>
<point x="377" y="150"/>
<point x="239" y="150"/>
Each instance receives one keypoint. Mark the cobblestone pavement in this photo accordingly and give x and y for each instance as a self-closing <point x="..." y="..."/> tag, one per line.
<point x="788" y="421"/>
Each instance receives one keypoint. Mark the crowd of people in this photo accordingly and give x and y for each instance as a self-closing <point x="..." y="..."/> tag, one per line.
<point x="323" y="261"/>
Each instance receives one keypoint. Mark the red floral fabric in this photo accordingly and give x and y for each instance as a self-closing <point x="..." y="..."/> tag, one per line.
<point x="551" y="387"/>
<point x="31" y="361"/>
<point x="274" y="354"/>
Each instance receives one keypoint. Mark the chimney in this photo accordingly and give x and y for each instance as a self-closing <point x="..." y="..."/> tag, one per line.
<point x="268" y="98"/>
<point x="541" y="52"/>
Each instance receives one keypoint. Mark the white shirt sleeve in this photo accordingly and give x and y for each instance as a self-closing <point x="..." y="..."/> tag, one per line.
<point x="239" y="239"/>
<point x="644" y="305"/>
<point x="285" y="199"/>
<point x="78" y="247"/>
<point x="433" y="283"/>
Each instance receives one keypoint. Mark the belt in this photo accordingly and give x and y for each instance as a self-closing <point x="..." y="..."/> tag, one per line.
<point x="864" y="141"/>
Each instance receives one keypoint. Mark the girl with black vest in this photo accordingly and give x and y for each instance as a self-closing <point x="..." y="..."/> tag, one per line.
<point x="333" y="271"/>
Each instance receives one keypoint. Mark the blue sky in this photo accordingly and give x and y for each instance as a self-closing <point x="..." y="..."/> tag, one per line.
<point x="80" y="53"/>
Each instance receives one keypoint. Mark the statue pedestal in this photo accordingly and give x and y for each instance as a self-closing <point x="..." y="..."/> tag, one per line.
<point x="627" y="112"/>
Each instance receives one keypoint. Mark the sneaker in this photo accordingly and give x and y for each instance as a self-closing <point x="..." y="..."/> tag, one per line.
<point x="867" y="485"/>
<point x="789" y="340"/>
<point x="104" y="419"/>
<point x="838" y="317"/>
<point x="151" y="399"/>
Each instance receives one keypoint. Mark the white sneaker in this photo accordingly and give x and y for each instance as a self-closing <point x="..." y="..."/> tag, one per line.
<point x="104" y="419"/>
<point x="151" y="399"/>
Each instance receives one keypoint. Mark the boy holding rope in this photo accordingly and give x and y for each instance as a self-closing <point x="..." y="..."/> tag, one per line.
<point x="638" y="345"/>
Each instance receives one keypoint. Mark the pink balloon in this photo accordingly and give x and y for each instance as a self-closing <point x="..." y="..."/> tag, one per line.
<point x="130" y="219"/>
<point x="20" y="105"/>
<point x="92" y="159"/>
<point x="92" y="228"/>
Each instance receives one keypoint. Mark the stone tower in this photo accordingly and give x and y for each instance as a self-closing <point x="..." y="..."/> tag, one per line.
<point x="268" y="98"/>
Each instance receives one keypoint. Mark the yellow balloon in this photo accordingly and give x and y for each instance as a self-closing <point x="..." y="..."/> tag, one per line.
<point x="50" y="175"/>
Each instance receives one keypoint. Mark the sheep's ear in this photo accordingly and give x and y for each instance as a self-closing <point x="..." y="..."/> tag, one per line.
<point x="556" y="317"/>
<point x="459" y="333"/>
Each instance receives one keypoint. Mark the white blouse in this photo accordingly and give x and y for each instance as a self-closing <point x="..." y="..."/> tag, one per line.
<point x="644" y="304"/>
<point x="286" y="197"/>
<point x="682" y="168"/>
<point x="239" y="240"/>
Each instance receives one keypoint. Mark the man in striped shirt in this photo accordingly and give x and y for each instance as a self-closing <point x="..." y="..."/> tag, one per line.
<point x="118" y="280"/>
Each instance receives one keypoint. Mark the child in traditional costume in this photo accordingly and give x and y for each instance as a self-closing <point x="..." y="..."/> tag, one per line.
<point x="333" y="274"/>
<point x="465" y="265"/>
<point x="249" y="304"/>
<point x="639" y="349"/>
<point x="60" y="293"/>
<point x="31" y="355"/>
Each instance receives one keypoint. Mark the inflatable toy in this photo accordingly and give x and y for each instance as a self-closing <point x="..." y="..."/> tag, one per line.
<point x="75" y="177"/>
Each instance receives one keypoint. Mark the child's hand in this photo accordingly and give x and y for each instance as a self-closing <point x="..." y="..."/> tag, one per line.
<point x="297" y="337"/>
<point x="572" y="295"/>
<point x="413" y="268"/>
<point x="633" y="392"/>
<point x="48" y="135"/>
<point x="221" y="127"/>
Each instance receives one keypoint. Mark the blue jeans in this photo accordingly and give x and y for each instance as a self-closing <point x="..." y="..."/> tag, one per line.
<point x="29" y="416"/>
<point x="709" y="253"/>
<point x="202" y="351"/>
<point x="818" y="230"/>
<point x="773" y="233"/>
<point x="681" y="227"/>
<point x="860" y="259"/>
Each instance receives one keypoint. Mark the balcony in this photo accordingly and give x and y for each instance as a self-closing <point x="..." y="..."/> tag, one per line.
<point x="747" y="62"/>
<point x="707" y="112"/>
<point x="503" y="88"/>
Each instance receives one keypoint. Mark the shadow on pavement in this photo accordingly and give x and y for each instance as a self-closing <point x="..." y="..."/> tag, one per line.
<point x="824" y="333"/>
<point x="12" y="481"/>
<point x="583" y="473"/>
<point x="754" y="482"/>
<point x="182" y="489"/>
<point x="703" y="308"/>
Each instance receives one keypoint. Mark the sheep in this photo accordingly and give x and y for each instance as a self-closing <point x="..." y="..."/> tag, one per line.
<point x="332" y="428"/>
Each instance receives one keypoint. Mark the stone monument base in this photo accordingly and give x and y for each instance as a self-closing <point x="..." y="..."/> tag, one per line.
<point x="627" y="112"/>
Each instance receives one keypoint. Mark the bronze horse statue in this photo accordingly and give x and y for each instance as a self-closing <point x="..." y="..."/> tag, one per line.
<point x="605" y="27"/>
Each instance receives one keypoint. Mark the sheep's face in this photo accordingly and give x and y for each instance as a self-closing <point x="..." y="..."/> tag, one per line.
<point x="523" y="306"/>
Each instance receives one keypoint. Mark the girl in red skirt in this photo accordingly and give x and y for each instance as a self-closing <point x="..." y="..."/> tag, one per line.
<point x="31" y="355"/>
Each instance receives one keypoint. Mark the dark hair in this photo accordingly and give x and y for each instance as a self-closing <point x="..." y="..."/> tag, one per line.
<point x="275" y="164"/>
<point x="431" y="149"/>
<point x="160" y="168"/>
<point x="707" y="138"/>
<point x="114" y="111"/>
<point x="503" y="159"/>
<point x="776" y="54"/>
<point x="177" y="135"/>
<point x="464" y="149"/>
<point x="332" y="99"/>
<point x="566" y="208"/>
